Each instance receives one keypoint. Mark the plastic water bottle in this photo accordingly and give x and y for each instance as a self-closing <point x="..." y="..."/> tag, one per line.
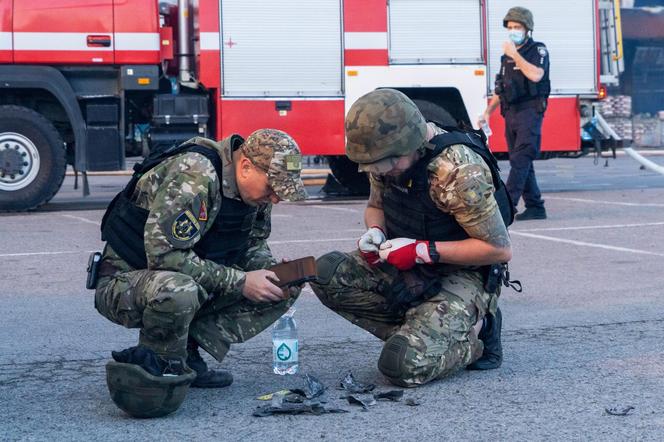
<point x="285" y="345"/>
<point x="484" y="125"/>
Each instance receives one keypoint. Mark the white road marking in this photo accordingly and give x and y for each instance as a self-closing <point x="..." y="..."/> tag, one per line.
<point x="297" y="241"/>
<point x="340" y="209"/>
<point x="608" y="226"/>
<point x="586" y="244"/>
<point x="84" y="220"/>
<point x="67" y="252"/>
<point x="616" y="203"/>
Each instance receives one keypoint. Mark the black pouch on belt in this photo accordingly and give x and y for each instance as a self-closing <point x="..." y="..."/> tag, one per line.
<point x="93" y="270"/>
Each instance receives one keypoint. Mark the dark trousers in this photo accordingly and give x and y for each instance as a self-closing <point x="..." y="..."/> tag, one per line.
<point x="523" y="131"/>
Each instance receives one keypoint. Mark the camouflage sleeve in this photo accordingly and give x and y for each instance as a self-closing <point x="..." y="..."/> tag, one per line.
<point x="461" y="185"/>
<point x="178" y="218"/>
<point x="259" y="255"/>
<point x="375" y="191"/>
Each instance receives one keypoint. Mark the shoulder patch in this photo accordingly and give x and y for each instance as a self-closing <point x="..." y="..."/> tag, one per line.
<point x="471" y="186"/>
<point x="542" y="51"/>
<point x="185" y="226"/>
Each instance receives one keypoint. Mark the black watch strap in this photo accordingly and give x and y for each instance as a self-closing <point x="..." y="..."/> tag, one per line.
<point x="433" y="253"/>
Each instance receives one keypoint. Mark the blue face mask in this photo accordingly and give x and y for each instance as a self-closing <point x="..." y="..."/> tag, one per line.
<point x="517" y="36"/>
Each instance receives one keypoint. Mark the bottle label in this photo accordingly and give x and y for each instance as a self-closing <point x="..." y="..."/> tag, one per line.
<point x="284" y="350"/>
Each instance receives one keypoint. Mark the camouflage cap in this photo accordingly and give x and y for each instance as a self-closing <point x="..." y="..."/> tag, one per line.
<point x="519" y="15"/>
<point x="383" y="123"/>
<point x="279" y="156"/>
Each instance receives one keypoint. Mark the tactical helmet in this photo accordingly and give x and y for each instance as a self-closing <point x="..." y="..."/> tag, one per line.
<point x="520" y="15"/>
<point x="142" y="395"/>
<point x="383" y="123"/>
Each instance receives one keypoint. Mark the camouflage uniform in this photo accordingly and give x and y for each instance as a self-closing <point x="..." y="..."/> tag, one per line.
<point x="436" y="337"/>
<point x="180" y="294"/>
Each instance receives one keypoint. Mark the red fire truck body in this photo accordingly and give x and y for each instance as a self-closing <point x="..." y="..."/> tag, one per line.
<point x="89" y="82"/>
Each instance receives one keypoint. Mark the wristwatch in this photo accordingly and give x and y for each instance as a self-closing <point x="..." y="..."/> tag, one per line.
<point x="433" y="253"/>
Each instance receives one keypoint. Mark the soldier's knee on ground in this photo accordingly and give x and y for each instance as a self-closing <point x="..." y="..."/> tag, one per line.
<point x="326" y="267"/>
<point x="394" y="363"/>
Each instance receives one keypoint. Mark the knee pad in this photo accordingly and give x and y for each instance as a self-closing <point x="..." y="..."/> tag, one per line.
<point x="326" y="266"/>
<point x="392" y="359"/>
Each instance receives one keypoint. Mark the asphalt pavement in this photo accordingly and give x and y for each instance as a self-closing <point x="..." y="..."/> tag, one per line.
<point x="583" y="337"/>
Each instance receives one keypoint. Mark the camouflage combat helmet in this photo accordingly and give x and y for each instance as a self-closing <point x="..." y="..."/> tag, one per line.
<point x="381" y="124"/>
<point x="142" y="395"/>
<point x="520" y="15"/>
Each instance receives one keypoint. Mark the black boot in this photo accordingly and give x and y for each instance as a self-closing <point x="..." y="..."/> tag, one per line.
<point x="532" y="213"/>
<point x="205" y="378"/>
<point x="492" y="356"/>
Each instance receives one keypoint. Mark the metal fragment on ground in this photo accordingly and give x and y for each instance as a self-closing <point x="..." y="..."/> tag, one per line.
<point x="412" y="402"/>
<point x="290" y="408"/>
<point x="349" y="384"/>
<point x="364" y="400"/>
<point x="315" y="388"/>
<point x="392" y="395"/>
<point x="619" y="411"/>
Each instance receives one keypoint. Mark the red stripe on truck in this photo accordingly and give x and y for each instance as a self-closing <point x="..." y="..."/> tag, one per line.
<point x="366" y="57"/>
<point x="316" y="125"/>
<point x="560" y="130"/>
<point x="365" y="15"/>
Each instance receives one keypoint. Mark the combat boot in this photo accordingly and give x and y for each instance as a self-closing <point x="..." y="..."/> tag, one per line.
<point x="531" y="213"/>
<point x="206" y="378"/>
<point x="492" y="356"/>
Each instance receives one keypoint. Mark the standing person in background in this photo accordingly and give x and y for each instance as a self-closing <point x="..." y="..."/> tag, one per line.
<point x="522" y="90"/>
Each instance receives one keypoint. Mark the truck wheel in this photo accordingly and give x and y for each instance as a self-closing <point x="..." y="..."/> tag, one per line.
<point x="32" y="159"/>
<point x="345" y="171"/>
<point x="435" y="113"/>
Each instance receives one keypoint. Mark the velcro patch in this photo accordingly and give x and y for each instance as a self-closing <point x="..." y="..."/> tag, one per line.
<point x="541" y="50"/>
<point x="293" y="162"/>
<point x="185" y="226"/>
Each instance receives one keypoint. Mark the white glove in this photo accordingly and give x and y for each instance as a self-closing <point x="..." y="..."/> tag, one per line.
<point x="371" y="240"/>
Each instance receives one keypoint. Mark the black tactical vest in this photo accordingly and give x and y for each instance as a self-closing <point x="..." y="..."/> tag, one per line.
<point x="123" y="224"/>
<point x="409" y="210"/>
<point x="514" y="87"/>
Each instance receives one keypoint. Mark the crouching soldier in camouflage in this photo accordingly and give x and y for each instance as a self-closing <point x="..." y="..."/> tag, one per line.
<point x="185" y="262"/>
<point x="436" y="219"/>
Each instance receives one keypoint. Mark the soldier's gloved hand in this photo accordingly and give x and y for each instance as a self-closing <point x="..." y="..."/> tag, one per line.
<point x="258" y="287"/>
<point x="369" y="243"/>
<point x="404" y="253"/>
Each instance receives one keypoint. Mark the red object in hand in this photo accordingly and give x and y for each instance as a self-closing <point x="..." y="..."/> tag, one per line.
<point x="404" y="253"/>
<point x="372" y="258"/>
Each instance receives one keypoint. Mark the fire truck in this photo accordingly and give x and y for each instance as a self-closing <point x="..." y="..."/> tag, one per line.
<point x="88" y="83"/>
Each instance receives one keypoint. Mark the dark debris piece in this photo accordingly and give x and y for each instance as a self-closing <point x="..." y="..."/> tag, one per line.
<point x="298" y="401"/>
<point x="291" y="408"/>
<point x="619" y="411"/>
<point x="412" y="402"/>
<point x="315" y="388"/>
<point x="365" y="400"/>
<point x="349" y="384"/>
<point x="392" y="395"/>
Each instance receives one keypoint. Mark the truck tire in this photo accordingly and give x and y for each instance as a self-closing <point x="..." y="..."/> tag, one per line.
<point x="345" y="171"/>
<point x="32" y="159"/>
<point x="435" y="113"/>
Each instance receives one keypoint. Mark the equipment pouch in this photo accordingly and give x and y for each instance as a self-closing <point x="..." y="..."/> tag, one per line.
<point x="93" y="270"/>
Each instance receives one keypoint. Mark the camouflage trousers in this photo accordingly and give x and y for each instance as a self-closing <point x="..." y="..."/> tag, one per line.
<point x="170" y="307"/>
<point x="429" y="341"/>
